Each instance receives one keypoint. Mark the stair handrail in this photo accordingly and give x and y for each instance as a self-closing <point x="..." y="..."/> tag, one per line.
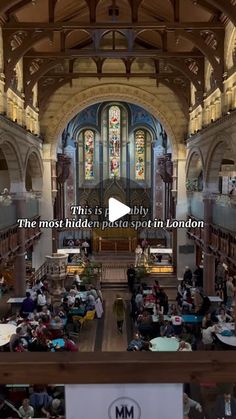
<point x="41" y="271"/>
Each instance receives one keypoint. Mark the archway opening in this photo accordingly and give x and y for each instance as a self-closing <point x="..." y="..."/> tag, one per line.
<point x="5" y="182"/>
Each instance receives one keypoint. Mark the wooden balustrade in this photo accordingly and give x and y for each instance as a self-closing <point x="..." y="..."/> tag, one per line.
<point x="128" y="367"/>
<point x="221" y="241"/>
<point x="9" y="239"/>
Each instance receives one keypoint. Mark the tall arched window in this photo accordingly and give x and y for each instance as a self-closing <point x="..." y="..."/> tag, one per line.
<point x="88" y="155"/>
<point x="114" y="138"/>
<point x="140" y="155"/>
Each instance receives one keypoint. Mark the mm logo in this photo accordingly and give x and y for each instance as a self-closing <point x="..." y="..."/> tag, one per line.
<point x="124" y="408"/>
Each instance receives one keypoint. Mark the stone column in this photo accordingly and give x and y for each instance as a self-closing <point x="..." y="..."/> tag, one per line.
<point x="20" y="264"/>
<point x="209" y="259"/>
<point x="184" y="256"/>
<point x="44" y="245"/>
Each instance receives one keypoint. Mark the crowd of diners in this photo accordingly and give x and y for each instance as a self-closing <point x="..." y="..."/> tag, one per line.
<point x="30" y="402"/>
<point x="153" y="316"/>
<point x="47" y="324"/>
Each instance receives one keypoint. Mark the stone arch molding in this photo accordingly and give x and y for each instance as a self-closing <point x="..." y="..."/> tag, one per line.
<point x="13" y="158"/>
<point x="34" y="158"/>
<point x="172" y="122"/>
<point x="213" y="161"/>
<point x="194" y="151"/>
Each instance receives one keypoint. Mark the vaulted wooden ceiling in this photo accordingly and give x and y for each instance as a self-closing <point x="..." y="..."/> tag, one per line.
<point x="173" y="36"/>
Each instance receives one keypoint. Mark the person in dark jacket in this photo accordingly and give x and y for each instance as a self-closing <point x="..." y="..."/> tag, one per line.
<point x="131" y="277"/>
<point x="188" y="276"/>
<point x="28" y="305"/>
<point x="225" y="407"/>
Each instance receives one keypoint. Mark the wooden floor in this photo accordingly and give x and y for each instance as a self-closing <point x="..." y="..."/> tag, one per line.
<point x="101" y="334"/>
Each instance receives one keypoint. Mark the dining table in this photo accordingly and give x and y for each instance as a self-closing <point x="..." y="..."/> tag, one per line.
<point x="227" y="328"/>
<point x="6" y="331"/>
<point x="164" y="344"/>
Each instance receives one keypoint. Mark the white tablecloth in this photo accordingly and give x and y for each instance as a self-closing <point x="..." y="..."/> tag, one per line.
<point x="163" y="344"/>
<point x="227" y="340"/>
<point x="6" y="330"/>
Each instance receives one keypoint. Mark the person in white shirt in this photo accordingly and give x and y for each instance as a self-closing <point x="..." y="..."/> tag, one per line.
<point x="77" y="280"/>
<point x="138" y="255"/>
<point x="26" y="411"/>
<point x="184" y="346"/>
<point x="85" y="247"/>
<point x="177" y="323"/>
<point x="139" y="299"/>
<point x="71" y="297"/>
<point x="41" y="300"/>
<point x="208" y="336"/>
<point x="223" y="317"/>
<point x="38" y="285"/>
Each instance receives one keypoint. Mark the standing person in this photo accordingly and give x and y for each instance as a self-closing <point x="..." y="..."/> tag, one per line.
<point x="77" y="281"/>
<point x="119" y="312"/>
<point x="144" y="244"/>
<point x="229" y="292"/>
<point x="41" y="299"/>
<point x="131" y="277"/>
<point x="85" y="247"/>
<point x="138" y="255"/>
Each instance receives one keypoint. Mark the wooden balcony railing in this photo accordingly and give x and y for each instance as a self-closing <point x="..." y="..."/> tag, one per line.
<point x="118" y="367"/>
<point x="221" y="241"/>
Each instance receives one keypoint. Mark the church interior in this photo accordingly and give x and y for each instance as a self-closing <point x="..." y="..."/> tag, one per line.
<point x="133" y="100"/>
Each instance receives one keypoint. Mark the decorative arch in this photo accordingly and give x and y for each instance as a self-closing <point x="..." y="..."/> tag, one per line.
<point x="34" y="168"/>
<point x="13" y="158"/>
<point x="213" y="164"/>
<point x="117" y="92"/>
<point x="194" y="155"/>
<point x="230" y="49"/>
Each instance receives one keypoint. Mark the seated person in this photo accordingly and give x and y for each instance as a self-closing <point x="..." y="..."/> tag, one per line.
<point x="90" y="302"/>
<point x="184" y="346"/>
<point x="26" y="411"/>
<point x="55" y="409"/>
<point x="208" y="335"/>
<point x="145" y="324"/>
<point x="40" y="400"/>
<point x="223" y="317"/>
<point x="136" y="343"/>
<point x="187" y="300"/>
<point x="71" y="297"/>
<point x="167" y="330"/>
<point x="177" y="323"/>
<point x="225" y="407"/>
<point x="92" y="290"/>
<point x="173" y="310"/>
<point x="206" y="304"/>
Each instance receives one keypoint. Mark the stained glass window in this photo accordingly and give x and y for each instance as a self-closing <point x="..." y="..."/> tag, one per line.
<point x="89" y="154"/>
<point x="140" y="155"/>
<point x="114" y="135"/>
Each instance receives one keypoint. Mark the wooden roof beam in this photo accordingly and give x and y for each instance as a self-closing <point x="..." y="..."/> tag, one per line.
<point x="226" y="7"/>
<point x="112" y="26"/>
<point x="89" y="53"/>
